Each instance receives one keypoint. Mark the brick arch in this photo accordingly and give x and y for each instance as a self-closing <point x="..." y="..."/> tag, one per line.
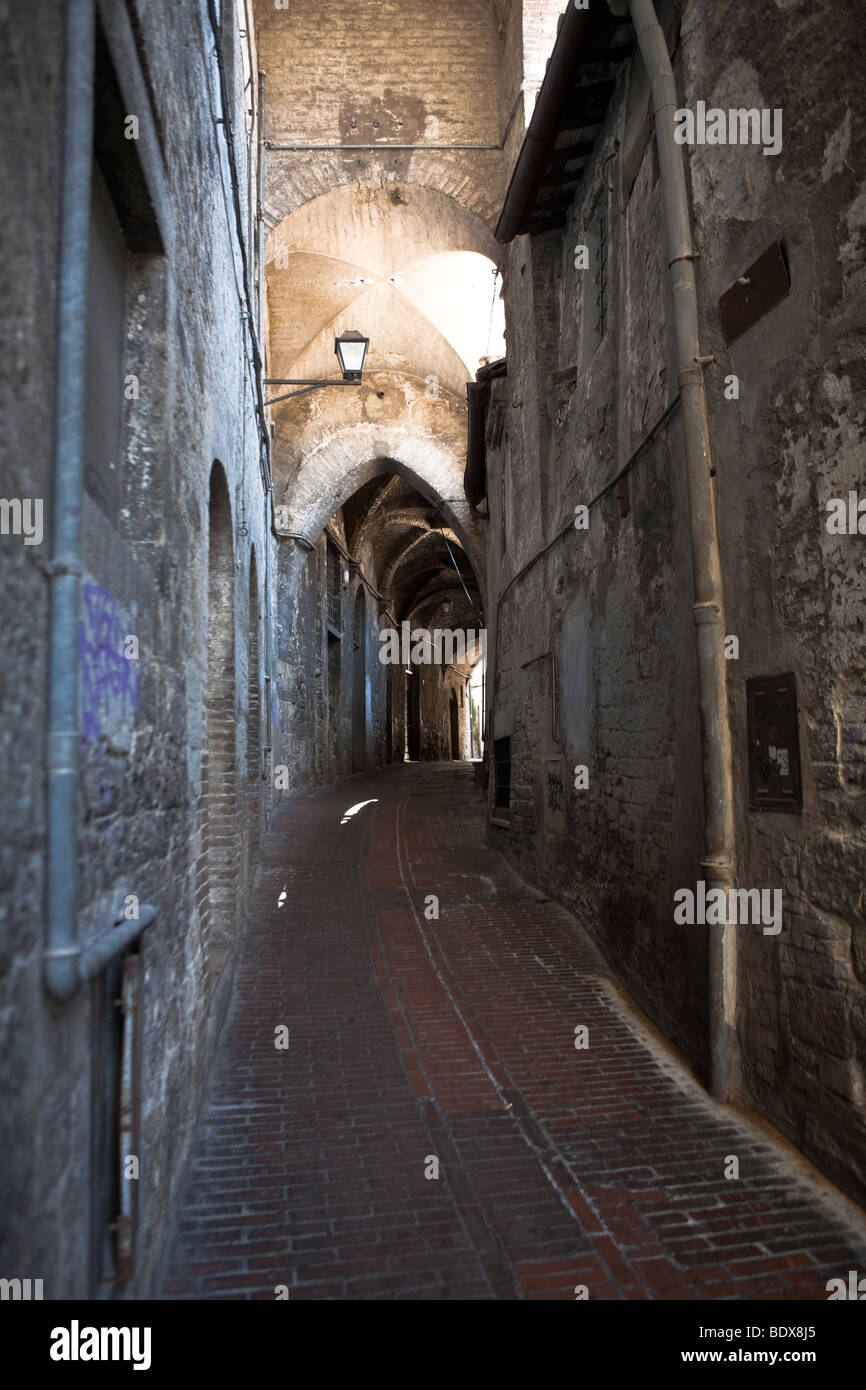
<point x="410" y="545"/>
<point x="476" y="182"/>
<point x="348" y="459"/>
<point x="345" y="222"/>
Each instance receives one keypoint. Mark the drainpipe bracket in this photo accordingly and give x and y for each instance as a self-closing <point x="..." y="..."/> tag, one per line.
<point x="52" y="568"/>
<point x="718" y="868"/>
<point x="62" y="749"/>
<point x="690" y="376"/>
<point x="707" y="613"/>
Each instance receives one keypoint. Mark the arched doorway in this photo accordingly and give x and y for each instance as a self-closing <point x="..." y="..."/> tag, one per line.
<point x="389" y="717"/>
<point x="455" y="726"/>
<point x="359" y="681"/>
<point x="220" y="762"/>
<point x="413" y="715"/>
<point x="334" y="646"/>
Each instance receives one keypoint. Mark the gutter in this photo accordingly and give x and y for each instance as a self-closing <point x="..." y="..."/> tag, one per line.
<point x="285" y="149"/>
<point x="269" y="513"/>
<point x="719" y="861"/>
<point x="66" y="966"/>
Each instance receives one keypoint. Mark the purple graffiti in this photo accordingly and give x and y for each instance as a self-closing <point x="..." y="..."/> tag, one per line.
<point x="109" y="682"/>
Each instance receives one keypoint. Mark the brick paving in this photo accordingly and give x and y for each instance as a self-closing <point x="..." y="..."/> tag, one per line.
<point x="413" y="1038"/>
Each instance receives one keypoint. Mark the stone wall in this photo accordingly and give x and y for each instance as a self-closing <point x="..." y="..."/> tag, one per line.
<point x="142" y="821"/>
<point x="793" y="439"/>
<point x="594" y="650"/>
<point x="594" y="660"/>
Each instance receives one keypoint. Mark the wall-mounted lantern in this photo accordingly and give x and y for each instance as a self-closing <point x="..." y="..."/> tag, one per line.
<point x="351" y="349"/>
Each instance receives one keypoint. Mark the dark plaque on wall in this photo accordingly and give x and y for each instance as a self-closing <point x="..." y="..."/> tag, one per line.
<point x="758" y="290"/>
<point x="774" y="744"/>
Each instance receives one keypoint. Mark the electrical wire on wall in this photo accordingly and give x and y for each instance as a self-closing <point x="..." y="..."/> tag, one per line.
<point x="457" y="570"/>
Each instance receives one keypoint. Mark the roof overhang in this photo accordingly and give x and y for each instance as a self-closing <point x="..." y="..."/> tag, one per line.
<point x="569" y="114"/>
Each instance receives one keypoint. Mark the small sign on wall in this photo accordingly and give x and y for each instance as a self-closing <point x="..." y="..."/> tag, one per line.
<point x="758" y="290"/>
<point x="774" y="744"/>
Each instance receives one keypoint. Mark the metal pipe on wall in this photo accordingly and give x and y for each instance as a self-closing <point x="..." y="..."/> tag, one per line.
<point x="285" y="149"/>
<point x="260" y="206"/>
<point x="65" y="967"/>
<point x="269" y="518"/>
<point x="718" y="863"/>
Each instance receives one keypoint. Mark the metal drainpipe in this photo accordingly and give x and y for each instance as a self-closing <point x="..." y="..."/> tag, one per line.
<point x="268" y="672"/>
<point x="260" y="209"/>
<point x="270" y="515"/>
<point x="65" y="966"/>
<point x="718" y="864"/>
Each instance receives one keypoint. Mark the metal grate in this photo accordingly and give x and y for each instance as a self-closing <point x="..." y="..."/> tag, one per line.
<point x="502" y="772"/>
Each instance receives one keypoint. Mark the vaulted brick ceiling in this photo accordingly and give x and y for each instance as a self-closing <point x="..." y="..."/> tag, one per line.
<point x="403" y="266"/>
<point x="395" y="245"/>
<point x="418" y="559"/>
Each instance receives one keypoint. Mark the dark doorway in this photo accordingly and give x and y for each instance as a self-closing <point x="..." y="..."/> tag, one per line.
<point x="413" y="715"/>
<point x="334" y="631"/>
<point x="455" y="727"/>
<point x="334" y="662"/>
<point x="359" y="682"/>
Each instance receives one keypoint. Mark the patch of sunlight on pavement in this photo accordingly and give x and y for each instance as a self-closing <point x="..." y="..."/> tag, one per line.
<point x="353" y="810"/>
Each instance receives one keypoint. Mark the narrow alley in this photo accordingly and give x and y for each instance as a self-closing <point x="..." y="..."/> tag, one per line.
<point x="433" y="697"/>
<point x="452" y="1036"/>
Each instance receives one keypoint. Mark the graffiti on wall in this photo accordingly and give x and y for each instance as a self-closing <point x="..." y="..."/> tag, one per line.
<point x="109" y="681"/>
<point x="554" y="796"/>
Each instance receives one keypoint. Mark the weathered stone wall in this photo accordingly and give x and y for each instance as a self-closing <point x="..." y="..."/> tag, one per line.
<point x="594" y="661"/>
<point x="795" y="594"/>
<point x="142" y="828"/>
<point x="438" y="685"/>
<point x="318" y="670"/>
<point x="594" y="650"/>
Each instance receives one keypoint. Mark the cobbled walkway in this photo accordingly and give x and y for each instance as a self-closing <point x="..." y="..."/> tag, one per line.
<point x="413" y="1039"/>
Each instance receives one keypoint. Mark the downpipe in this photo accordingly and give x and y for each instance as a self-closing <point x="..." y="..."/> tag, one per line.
<point x="270" y="529"/>
<point x="65" y="966"/>
<point x="718" y="864"/>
